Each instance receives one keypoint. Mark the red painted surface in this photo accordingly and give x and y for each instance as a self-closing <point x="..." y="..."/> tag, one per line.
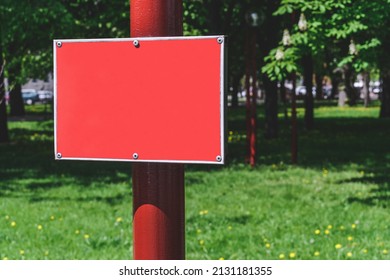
<point x="156" y="18"/>
<point x="251" y="96"/>
<point x="158" y="209"/>
<point x="158" y="189"/>
<point x="160" y="100"/>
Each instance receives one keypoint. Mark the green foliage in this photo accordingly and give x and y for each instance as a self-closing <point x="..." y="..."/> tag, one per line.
<point x="331" y="26"/>
<point x="278" y="69"/>
<point x="29" y="28"/>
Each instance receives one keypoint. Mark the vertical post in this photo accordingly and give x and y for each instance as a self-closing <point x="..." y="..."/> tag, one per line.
<point x="294" y="130"/>
<point x="251" y="95"/>
<point x="254" y="102"/>
<point x="158" y="188"/>
<point x="3" y="108"/>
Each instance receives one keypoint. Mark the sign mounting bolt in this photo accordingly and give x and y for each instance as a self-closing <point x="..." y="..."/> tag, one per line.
<point x="219" y="158"/>
<point x="220" y="40"/>
<point x="136" y="43"/>
<point x="59" y="155"/>
<point x="59" y="44"/>
<point x="135" y="156"/>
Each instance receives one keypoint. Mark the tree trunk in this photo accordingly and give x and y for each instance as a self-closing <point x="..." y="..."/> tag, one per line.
<point x="269" y="41"/>
<point x="308" y="82"/>
<point x="349" y="89"/>
<point x="283" y="98"/>
<point x="385" y="98"/>
<point x="366" y="88"/>
<point x="3" y="108"/>
<point x="271" y="108"/>
<point x="235" y="87"/>
<point x="15" y="94"/>
<point x="319" y="93"/>
<point x="335" y="86"/>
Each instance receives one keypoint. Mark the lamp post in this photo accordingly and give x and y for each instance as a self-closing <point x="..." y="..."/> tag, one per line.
<point x="253" y="21"/>
<point x="294" y="129"/>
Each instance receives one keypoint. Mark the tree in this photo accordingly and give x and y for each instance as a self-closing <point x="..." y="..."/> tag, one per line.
<point x="28" y="28"/>
<point x="331" y="26"/>
<point x="3" y="109"/>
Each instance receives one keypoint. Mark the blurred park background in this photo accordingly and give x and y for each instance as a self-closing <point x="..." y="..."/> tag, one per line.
<point x="314" y="75"/>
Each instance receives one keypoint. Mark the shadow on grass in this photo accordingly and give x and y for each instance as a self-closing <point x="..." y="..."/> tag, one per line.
<point x="334" y="143"/>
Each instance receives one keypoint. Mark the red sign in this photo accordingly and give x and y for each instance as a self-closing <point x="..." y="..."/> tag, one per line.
<point x="140" y="99"/>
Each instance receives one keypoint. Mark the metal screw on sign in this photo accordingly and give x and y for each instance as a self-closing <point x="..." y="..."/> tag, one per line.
<point x="59" y="44"/>
<point x="219" y="158"/>
<point x="220" y="40"/>
<point x="135" y="156"/>
<point x="59" y="155"/>
<point x="136" y="43"/>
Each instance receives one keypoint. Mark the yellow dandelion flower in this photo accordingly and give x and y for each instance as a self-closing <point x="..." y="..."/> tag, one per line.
<point x="316" y="254"/>
<point x="330" y="226"/>
<point x="361" y="173"/>
<point x="327" y="232"/>
<point x="7" y="217"/>
<point x="230" y="227"/>
<point x="13" y="224"/>
<point x="203" y="212"/>
<point x="349" y="254"/>
<point x="198" y="231"/>
<point x="201" y="242"/>
<point x="365" y="251"/>
<point x="230" y="132"/>
<point x="46" y="253"/>
<point x="350" y="238"/>
<point x="39" y="227"/>
<point x="338" y="246"/>
<point x="317" y="232"/>
<point x="292" y="255"/>
<point x="21" y="252"/>
<point x="77" y="231"/>
<point x="221" y="258"/>
<point x="86" y="236"/>
<point x="5" y="259"/>
<point x="385" y="252"/>
<point x="267" y="245"/>
<point x="282" y="256"/>
<point x="342" y="227"/>
<point x="119" y="219"/>
<point x="52" y="218"/>
<point x="353" y="226"/>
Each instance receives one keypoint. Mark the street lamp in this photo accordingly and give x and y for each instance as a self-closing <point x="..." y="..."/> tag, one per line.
<point x="253" y="20"/>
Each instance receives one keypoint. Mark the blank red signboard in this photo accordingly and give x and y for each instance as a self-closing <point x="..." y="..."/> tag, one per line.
<point x="140" y="99"/>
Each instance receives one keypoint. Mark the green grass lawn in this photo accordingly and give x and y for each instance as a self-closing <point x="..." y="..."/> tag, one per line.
<point x="333" y="205"/>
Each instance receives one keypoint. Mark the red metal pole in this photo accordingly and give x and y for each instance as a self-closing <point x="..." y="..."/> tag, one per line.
<point x="251" y="95"/>
<point x="254" y="101"/>
<point x="248" y="74"/>
<point x="158" y="188"/>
